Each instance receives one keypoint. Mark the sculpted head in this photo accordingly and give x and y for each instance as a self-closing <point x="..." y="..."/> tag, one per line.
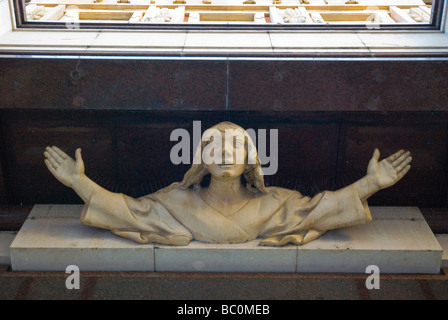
<point x="226" y="151"/>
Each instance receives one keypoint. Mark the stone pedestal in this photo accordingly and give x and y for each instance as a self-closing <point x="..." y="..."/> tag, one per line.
<point x="53" y="238"/>
<point x="398" y="240"/>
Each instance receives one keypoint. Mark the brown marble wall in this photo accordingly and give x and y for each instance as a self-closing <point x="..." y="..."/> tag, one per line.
<point x="308" y="85"/>
<point x="364" y="86"/>
<point x="112" y="85"/>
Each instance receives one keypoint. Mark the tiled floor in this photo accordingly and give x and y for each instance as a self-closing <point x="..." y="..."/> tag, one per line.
<point x="214" y="286"/>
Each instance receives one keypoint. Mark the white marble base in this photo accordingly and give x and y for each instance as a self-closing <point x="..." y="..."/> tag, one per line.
<point x="242" y="257"/>
<point x="398" y="240"/>
<point x="443" y="240"/>
<point x="53" y="238"/>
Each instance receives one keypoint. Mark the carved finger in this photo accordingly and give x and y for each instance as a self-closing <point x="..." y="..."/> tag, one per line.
<point x="54" y="155"/>
<point x="78" y="154"/>
<point x="53" y="163"/>
<point x="376" y="154"/>
<point x="403" y="172"/>
<point x="61" y="153"/>
<point x="395" y="156"/>
<point x="50" y="166"/>
<point x="48" y="156"/>
<point x="401" y="159"/>
<point x="403" y="164"/>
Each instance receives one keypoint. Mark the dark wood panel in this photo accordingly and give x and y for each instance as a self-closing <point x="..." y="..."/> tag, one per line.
<point x="12" y="217"/>
<point x="3" y="194"/>
<point x="26" y="136"/>
<point x="307" y="154"/>
<point x="436" y="219"/>
<point x="426" y="183"/>
<point x="143" y="156"/>
<point x="3" y="189"/>
<point x="129" y="152"/>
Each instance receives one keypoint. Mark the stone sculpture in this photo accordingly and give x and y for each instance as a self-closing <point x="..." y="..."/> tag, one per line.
<point x="226" y="211"/>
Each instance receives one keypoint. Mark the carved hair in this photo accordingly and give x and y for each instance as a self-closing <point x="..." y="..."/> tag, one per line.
<point x="253" y="173"/>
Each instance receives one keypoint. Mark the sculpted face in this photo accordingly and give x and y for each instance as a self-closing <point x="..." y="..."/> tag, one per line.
<point x="225" y="156"/>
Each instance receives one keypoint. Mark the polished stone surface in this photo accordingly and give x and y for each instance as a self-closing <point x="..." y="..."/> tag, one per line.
<point x="53" y="238"/>
<point x="398" y="240"/>
<point x="241" y="257"/>
<point x="443" y="240"/>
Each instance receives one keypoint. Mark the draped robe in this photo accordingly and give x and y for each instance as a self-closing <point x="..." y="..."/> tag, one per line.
<point x="178" y="216"/>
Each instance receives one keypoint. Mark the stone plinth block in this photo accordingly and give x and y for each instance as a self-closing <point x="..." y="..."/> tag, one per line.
<point x="53" y="238"/>
<point x="241" y="257"/>
<point x="398" y="240"/>
<point x="443" y="240"/>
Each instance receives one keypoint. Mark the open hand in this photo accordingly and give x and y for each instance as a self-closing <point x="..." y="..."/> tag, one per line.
<point x="388" y="171"/>
<point x="64" y="168"/>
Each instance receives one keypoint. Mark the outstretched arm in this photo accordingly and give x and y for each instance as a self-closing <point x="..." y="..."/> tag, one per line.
<point x="70" y="172"/>
<point x="382" y="174"/>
